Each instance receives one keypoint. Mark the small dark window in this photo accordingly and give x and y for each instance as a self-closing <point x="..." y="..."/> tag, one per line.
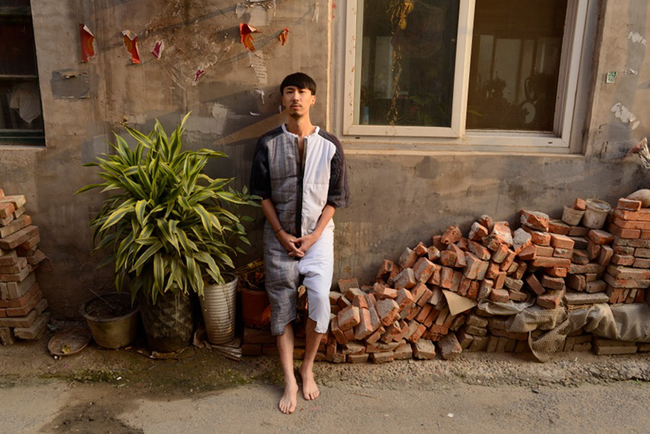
<point x="21" y="117"/>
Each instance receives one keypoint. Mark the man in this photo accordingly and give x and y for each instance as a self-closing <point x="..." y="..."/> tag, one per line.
<point x="299" y="171"/>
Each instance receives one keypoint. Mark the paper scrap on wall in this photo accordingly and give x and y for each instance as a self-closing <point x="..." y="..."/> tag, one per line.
<point x="283" y="36"/>
<point x="246" y="33"/>
<point x="131" y="44"/>
<point x="87" y="43"/>
<point x="158" y="48"/>
<point x="198" y="74"/>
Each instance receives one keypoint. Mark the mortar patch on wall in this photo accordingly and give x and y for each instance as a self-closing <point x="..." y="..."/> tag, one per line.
<point x="637" y="38"/>
<point x="70" y="84"/>
<point x="625" y="115"/>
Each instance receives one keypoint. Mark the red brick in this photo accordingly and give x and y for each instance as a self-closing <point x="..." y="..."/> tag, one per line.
<point x="18" y="238"/>
<point x="407" y="258"/>
<point x="534" y="219"/>
<point x="455" y="281"/>
<point x="629" y="204"/>
<point x="577" y="282"/>
<point x="460" y="255"/>
<point x="464" y="285"/>
<point x="550" y="262"/>
<point x="615" y="295"/>
<point x="622" y="259"/>
<point x="485" y="288"/>
<point x="426" y="296"/>
<point x="404" y="298"/>
<point x="642" y="215"/>
<point x="500" y="253"/>
<point x="29" y="305"/>
<point x="388" y="311"/>
<point x="534" y="284"/>
<point x="448" y="258"/>
<point x="473" y="266"/>
<point x="382" y="292"/>
<point x="415" y="331"/>
<point x="16" y="277"/>
<point x="528" y="253"/>
<point x="600" y="237"/>
<point x="451" y="235"/>
<point x="628" y="234"/>
<point x="552" y="282"/>
<point x="20" y="321"/>
<point x="605" y="255"/>
<point x="595" y="286"/>
<point x="473" y="290"/>
<point x="557" y="271"/>
<point x="641" y="263"/>
<point x="385" y="269"/>
<point x="6" y="209"/>
<point x="15" y="226"/>
<point x="405" y="279"/>
<point x="558" y="227"/>
<point x="433" y="253"/>
<point x="349" y="317"/>
<point x="423" y="313"/>
<point x="631" y="224"/>
<point x="550" y="299"/>
<point x="538" y="237"/>
<point x="477" y="232"/>
<point x="507" y="262"/>
<point x="521" y="270"/>
<point x="561" y="241"/>
<point x="18" y="265"/>
<point x="420" y="249"/>
<point x="479" y="250"/>
<point x="625" y="283"/>
<point x="337" y="332"/>
<point x="423" y="270"/>
<point x="499" y="295"/>
<point x="500" y="280"/>
<point x="364" y="328"/>
<point x="36" y="330"/>
<point x="562" y="253"/>
<point x="580" y="204"/>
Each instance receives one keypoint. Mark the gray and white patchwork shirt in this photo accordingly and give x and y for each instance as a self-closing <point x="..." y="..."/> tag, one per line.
<point x="300" y="189"/>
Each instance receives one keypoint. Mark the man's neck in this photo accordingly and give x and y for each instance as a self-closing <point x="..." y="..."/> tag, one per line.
<point x="301" y="127"/>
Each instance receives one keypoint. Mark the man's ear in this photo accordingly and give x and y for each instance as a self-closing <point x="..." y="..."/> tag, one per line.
<point x="313" y="99"/>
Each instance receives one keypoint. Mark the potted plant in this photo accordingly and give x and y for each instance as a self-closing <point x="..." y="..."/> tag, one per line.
<point x="255" y="303"/>
<point x="167" y="227"/>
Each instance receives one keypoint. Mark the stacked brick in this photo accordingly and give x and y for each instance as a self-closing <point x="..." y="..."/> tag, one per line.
<point x="22" y="306"/>
<point x="552" y="264"/>
<point x="628" y="276"/>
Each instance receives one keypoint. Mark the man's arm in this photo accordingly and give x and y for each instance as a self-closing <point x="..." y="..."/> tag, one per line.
<point x="308" y="240"/>
<point x="288" y="241"/>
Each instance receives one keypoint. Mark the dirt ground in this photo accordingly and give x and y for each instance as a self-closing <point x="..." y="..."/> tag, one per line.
<point x="199" y="391"/>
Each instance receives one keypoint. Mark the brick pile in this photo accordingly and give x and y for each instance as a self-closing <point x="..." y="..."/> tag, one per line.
<point x="546" y="263"/>
<point x="22" y="306"/>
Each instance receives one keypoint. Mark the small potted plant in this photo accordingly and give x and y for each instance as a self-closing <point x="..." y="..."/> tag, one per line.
<point x="255" y="304"/>
<point x="167" y="227"/>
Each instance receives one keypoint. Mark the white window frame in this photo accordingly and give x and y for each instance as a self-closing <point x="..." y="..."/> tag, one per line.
<point x="454" y="138"/>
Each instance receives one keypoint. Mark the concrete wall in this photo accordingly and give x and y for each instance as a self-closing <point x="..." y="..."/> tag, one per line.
<point x="397" y="200"/>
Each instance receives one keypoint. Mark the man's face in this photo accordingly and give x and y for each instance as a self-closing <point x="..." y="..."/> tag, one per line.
<point x="297" y="101"/>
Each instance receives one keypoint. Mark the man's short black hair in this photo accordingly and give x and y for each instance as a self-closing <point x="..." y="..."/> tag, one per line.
<point x="300" y="80"/>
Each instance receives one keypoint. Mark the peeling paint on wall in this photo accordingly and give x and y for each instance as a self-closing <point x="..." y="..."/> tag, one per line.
<point x="637" y="38"/>
<point x="258" y="64"/>
<point x="70" y="84"/>
<point x="625" y="115"/>
<point x="220" y="114"/>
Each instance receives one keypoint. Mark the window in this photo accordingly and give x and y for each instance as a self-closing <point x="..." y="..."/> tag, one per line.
<point x="483" y="71"/>
<point x="21" y="119"/>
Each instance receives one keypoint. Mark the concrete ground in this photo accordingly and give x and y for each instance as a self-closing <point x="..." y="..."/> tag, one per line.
<point x="199" y="391"/>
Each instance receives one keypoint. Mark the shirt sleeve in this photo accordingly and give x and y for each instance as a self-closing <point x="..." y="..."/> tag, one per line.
<point x="260" y="175"/>
<point x="338" y="195"/>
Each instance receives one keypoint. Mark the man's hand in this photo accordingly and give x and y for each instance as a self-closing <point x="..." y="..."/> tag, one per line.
<point x="304" y="243"/>
<point x="290" y="244"/>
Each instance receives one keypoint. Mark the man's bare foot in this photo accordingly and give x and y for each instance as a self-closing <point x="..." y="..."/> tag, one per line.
<point x="289" y="399"/>
<point x="309" y="387"/>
